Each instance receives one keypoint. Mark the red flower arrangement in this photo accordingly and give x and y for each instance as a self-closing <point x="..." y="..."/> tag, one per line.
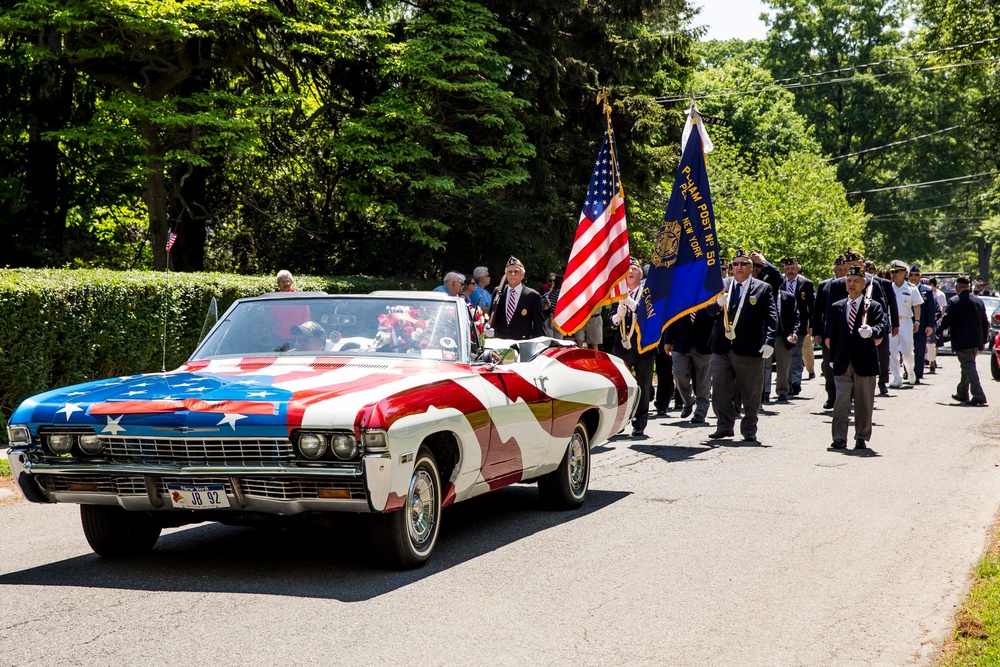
<point x="402" y="328"/>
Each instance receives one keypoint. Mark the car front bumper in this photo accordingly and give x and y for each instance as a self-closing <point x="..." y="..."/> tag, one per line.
<point x="279" y="490"/>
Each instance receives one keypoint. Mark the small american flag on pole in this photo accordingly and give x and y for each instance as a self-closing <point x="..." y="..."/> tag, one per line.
<point x="171" y="239"/>
<point x="599" y="260"/>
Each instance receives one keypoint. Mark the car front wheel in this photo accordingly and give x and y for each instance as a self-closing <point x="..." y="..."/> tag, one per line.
<point x="566" y="487"/>
<point x="114" y="532"/>
<point x="405" y="538"/>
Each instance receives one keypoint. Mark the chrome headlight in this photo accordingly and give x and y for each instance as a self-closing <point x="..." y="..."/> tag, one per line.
<point x="91" y="444"/>
<point x="345" y="446"/>
<point x="312" y="445"/>
<point x="60" y="444"/>
<point x="375" y="440"/>
<point x="18" y="435"/>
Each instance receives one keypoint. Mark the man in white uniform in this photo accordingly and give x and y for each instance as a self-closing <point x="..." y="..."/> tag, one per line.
<point x="909" y="300"/>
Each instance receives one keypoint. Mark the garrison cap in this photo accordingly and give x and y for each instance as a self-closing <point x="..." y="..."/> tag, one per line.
<point x="789" y="260"/>
<point x="514" y="261"/>
<point x="856" y="271"/>
<point x="963" y="280"/>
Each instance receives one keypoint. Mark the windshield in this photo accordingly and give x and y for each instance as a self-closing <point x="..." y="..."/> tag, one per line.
<point x="426" y="328"/>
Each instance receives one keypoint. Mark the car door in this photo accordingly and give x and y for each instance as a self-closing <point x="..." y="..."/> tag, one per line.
<point x="520" y="422"/>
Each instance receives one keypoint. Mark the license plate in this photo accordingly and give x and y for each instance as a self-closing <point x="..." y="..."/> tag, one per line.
<point x="198" y="497"/>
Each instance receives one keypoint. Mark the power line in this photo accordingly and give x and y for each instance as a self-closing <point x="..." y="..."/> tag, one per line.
<point x="667" y="99"/>
<point x="895" y="143"/>
<point x="925" y="183"/>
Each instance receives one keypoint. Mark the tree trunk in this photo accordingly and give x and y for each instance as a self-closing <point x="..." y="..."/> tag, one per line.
<point x="189" y="210"/>
<point x="155" y="195"/>
<point x="984" y="250"/>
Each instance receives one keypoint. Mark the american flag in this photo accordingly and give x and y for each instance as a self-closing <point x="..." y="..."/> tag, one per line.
<point x="599" y="260"/>
<point x="171" y="239"/>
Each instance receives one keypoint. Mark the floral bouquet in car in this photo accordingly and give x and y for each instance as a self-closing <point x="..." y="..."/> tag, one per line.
<point x="401" y="328"/>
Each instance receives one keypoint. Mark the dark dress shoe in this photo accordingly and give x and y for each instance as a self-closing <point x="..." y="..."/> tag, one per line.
<point x="931" y="370"/>
<point x="917" y="381"/>
<point x="750" y="438"/>
<point x="839" y="443"/>
<point x="978" y="401"/>
<point x="721" y="434"/>
<point x="860" y="444"/>
<point x="812" y="376"/>
<point x="637" y="433"/>
<point x="697" y="420"/>
<point x="765" y="398"/>
<point x="796" y="389"/>
<point x="661" y="412"/>
<point x="782" y="398"/>
<point x="678" y="406"/>
<point x="686" y="412"/>
<point x="958" y="398"/>
<point x="883" y="390"/>
<point x="828" y="405"/>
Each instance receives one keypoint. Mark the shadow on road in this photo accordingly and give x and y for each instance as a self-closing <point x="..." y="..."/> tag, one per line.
<point x="314" y="562"/>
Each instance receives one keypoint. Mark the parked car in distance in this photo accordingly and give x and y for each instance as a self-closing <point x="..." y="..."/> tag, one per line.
<point x="300" y="404"/>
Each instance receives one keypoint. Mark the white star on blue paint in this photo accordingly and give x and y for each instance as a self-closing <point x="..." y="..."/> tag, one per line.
<point x="231" y="419"/>
<point x="113" y="427"/>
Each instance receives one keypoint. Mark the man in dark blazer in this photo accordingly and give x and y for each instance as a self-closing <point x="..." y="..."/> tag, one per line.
<point x="627" y="346"/>
<point x="854" y="326"/>
<point x="688" y="341"/>
<point x="925" y="328"/>
<point x="970" y="332"/>
<point x="820" y="311"/>
<point x="517" y="309"/>
<point x="790" y="328"/>
<point x="742" y="342"/>
<point x="802" y="289"/>
<point x="886" y="296"/>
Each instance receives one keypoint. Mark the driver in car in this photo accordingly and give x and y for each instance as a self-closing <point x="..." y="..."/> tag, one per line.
<point x="309" y="337"/>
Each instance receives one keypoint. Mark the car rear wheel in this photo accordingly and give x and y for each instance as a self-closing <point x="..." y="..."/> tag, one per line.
<point x="566" y="487"/>
<point x="405" y="538"/>
<point x="113" y="532"/>
<point x="994" y="366"/>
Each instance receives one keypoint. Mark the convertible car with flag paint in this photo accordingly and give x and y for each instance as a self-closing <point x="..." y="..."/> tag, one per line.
<point x="300" y="404"/>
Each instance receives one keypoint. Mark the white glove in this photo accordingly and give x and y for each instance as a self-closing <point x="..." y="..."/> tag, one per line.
<point x="865" y="331"/>
<point x="488" y="332"/>
<point x="721" y="300"/>
<point x="617" y="317"/>
<point x="631" y="303"/>
<point x="793" y="339"/>
<point x="766" y="351"/>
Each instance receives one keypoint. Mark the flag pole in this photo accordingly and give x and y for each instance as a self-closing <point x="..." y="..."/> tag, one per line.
<point x="602" y="98"/>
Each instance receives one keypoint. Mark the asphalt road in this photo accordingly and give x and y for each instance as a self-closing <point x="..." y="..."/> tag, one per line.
<point x="687" y="552"/>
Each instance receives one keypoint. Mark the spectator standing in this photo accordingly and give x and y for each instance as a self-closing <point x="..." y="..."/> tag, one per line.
<point x="453" y="284"/>
<point x="481" y="297"/>
<point x="286" y="283"/>
<point x="970" y="331"/>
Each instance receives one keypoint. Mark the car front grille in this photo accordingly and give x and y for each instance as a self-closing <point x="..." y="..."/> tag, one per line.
<point x="198" y="450"/>
<point x="255" y="487"/>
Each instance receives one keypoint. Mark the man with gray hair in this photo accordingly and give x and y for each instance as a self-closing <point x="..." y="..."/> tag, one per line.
<point x="452" y="284"/>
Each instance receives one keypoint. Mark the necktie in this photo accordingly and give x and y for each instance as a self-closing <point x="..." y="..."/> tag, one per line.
<point x="737" y="290"/>
<point x="693" y="315"/>
<point x="791" y="286"/>
<point x="511" y="303"/>
<point x="851" y="315"/>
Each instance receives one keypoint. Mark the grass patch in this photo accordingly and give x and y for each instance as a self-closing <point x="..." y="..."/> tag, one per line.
<point x="4" y="468"/>
<point x="976" y="641"/>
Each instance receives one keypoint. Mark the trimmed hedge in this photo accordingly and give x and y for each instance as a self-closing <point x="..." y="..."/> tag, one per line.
<point x="60" y="327"/>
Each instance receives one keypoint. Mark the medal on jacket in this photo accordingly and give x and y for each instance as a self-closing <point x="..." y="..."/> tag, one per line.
<point x="731" y="334"/>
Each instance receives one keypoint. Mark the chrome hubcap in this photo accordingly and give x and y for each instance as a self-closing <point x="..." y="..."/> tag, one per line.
<point x="421" y="507"/>
<point x="577" y="462"/>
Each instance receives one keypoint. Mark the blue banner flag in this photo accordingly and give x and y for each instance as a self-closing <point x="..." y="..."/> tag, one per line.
<point x="685" y="274"/>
